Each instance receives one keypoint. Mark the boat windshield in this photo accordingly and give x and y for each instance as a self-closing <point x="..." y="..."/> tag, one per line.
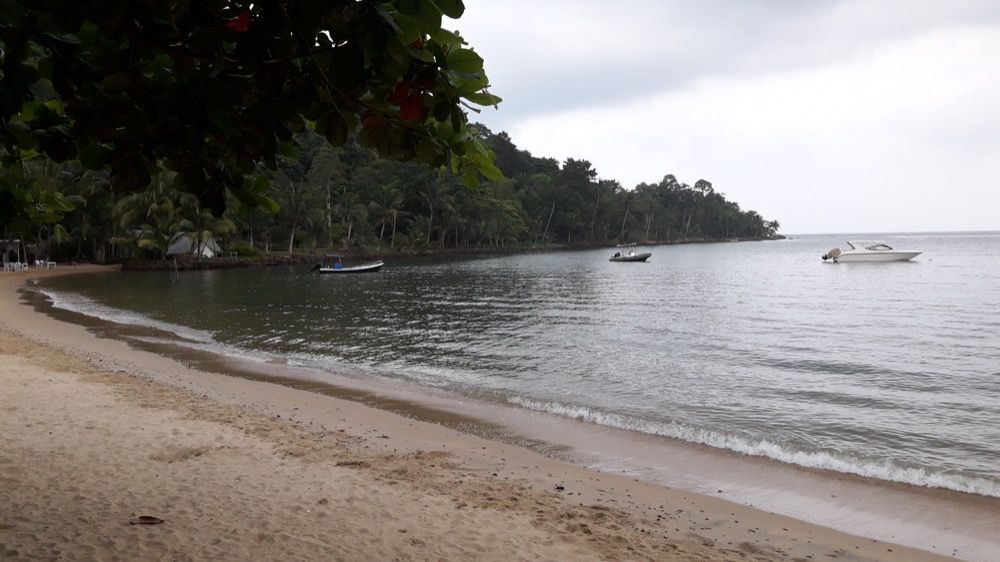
<point x="879" y="248"/>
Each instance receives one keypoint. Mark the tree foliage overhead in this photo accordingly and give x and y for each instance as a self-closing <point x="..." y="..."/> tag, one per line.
<point x="207" y="89"/>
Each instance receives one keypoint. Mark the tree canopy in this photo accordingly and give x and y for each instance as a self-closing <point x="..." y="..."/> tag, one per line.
<point x="127" y="123"/>
<point x="348" y="198"/>
<point x="208" y="89"/>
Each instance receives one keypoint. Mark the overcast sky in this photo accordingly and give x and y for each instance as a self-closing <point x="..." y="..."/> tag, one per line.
<point x="829" y="116"/>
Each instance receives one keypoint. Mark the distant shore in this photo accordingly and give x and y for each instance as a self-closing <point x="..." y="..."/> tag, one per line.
<point x="97" y="432"/>
<point x="296" y="258"/>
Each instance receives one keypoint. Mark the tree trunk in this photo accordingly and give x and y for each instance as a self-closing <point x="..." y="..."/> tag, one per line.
<point x="624" y="220"/>
<point x="545" y="233"/>
<point x="393" y="243"/>
<point x="593" y="219"/>
<point x="79" y="243"/>
<point x="430" y="223"/>
<point x="329" y="216"/>
<point x="291" y="238"/>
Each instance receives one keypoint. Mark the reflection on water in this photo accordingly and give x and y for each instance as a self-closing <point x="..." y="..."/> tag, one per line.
<point x="886" y="370"/>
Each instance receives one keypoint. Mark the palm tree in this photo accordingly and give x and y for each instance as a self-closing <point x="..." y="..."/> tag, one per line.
<point x="158" y="216"/>
<point x="206" y="227"/>
<point x="436" y="197"/>
<point x="299" y="202"/>
<point x="162" y="226"/>
<point x="387" y="210"/>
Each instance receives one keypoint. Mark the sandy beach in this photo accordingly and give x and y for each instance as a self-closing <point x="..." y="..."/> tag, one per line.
<point x="94" y="433"/>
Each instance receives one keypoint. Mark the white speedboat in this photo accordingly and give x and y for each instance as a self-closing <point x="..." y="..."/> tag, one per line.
<point x="335" y="264"/>
<point x="873" y="253"/>
<point x="628" y="253"/>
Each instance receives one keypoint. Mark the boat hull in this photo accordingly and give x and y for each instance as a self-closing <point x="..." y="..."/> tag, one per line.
<point x="636" y="257"/>
<point x="848" y="257"/>
<point x="364" y="268"/>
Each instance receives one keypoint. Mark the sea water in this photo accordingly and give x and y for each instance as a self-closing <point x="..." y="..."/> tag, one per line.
<point x="888" y="371"/>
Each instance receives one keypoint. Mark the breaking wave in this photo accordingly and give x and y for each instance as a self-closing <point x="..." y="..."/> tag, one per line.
<point x="882" y="469"/>
<point x="80" y="304"/>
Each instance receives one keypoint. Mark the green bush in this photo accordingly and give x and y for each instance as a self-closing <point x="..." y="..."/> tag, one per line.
<point x="244" y="250"/>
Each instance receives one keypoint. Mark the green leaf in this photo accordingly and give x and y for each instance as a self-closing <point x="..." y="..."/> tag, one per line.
<point x="448" y="39"/>
<point x="430" y="16"/>
<point x="160" y="68"/>
<point x="27" y="111"/>
<point x="287" y="149"/>
<point x="21" y="132"/>
<point x="451" y="8"/>
<point x="483" y="99"/>
<point x="63" y="38"/>
<point x="89" y="32"/>
<point x="252" y="194"/>
<point x="94" y="156"/>
<point x="468" y="86"/>
<point x="421" y="54"/>
<point x="482" y="159"/>
<point x="465" y="60"/>
<point x="408" y="28"/>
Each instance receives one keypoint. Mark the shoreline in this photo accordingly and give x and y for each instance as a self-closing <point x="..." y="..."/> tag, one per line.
<point x="655" y="521"/>
<point x="185" y="263"/>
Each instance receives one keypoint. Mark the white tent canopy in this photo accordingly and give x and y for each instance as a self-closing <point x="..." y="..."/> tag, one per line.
<point x="185" y="245"/>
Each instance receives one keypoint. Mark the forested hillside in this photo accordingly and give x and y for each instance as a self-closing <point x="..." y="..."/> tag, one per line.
<point x="349" y="198"/>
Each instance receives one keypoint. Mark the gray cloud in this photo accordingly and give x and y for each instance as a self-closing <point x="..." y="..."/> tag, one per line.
<point x="557" y="55"/>
<point x="789" y="107"/>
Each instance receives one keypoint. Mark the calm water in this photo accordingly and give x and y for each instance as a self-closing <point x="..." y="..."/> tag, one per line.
<point x="889" y="370"/>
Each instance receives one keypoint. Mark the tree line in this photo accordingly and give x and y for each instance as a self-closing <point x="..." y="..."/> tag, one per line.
<point x="348" y="198"/>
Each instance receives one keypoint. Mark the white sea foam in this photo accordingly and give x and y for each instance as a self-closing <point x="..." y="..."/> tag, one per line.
<point x="191" y="337"/>
<point x="82" y="305"/>
<point x="881" y="469"/>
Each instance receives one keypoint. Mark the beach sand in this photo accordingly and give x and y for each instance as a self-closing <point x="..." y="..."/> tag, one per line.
<point x="94" y="433"/>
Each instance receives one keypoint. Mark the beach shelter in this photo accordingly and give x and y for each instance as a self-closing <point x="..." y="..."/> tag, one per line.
<point x="185" y="245"/>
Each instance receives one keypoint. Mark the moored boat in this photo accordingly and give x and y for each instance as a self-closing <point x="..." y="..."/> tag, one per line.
<point x="628" y="253"/>
<point x="333" y="263"/>
<point x="880" y="252"/>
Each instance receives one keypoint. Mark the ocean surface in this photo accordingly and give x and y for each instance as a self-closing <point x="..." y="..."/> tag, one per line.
<point x="888" y="371"/>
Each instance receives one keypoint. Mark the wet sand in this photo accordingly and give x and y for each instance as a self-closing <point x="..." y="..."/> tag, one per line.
<point x="95" y="432"/>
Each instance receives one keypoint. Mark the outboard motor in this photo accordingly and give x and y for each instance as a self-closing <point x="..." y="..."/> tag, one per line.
<point x="319" y="265"/>
<point x="832" y="254"/>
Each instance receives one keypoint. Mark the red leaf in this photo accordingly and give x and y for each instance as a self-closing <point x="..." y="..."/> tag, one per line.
<point x="412" y="108"/>
<point x="241" y="23"/>
<point x="399" y="94"/>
